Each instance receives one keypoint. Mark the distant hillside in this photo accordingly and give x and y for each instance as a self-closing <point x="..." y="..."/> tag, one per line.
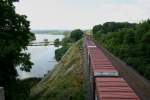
<point x="53" y="32"/>
<point x="65" y="82"/>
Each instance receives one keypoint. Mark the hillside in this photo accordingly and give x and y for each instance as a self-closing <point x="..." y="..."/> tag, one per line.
<point x="51" y="32"/>
<point x="65" y="82"/>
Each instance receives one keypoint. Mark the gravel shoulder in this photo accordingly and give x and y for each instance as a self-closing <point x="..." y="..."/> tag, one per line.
<point x="86" y="72"/>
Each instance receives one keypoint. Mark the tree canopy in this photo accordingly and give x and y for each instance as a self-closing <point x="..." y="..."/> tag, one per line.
<point x="15" y="35"/>
<point x="111" y="27"/>
<point x="76" y="34"/>
<point x="128" y="41"/>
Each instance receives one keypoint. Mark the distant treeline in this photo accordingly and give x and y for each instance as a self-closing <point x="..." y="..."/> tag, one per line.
<point x="129" y="41"/>
<point x="51" y="32"/>
<point x="73" y="36"/>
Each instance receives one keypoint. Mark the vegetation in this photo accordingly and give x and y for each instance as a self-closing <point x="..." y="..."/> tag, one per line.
<point x="15" y="35"/>
<point x="65" y="82"/>
<point x="128" y="41"/>
<point x="23" y="88"/>
<point x="56" y="43"/>
<point x="60" y="52"/>
<point x="74" y="36"/>
<point x="31" y="82"/>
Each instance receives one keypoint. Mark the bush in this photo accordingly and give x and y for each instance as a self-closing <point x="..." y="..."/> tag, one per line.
<point x="60" y="52"/>
<point x="56" y="43"/>
<point x="76" y="34"/>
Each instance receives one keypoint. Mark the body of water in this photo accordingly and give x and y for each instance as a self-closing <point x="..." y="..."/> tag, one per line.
<point x="43" y="57"/>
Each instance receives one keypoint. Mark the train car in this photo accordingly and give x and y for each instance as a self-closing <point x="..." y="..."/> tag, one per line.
<point x="113" y="88"/>
<point x="89" y="44"/>
<point x="100" y="64"/>
<point x="106" y="83"/>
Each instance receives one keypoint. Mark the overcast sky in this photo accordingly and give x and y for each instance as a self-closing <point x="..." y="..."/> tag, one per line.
<point x="84" y="14"/>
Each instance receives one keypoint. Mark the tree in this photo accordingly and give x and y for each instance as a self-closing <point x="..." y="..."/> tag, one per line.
<point x="15" y="35"/>
<point x="56" y="43"/>
<point x="128" y="41"/>
<point x="112" y="27"/>
<point x="60" y="52"/>
<point x="96" y="28"/>
<point x="146" y="38"/>
<point x="76" y="34"/>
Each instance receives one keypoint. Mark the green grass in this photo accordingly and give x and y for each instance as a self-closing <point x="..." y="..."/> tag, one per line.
<point x="65" y="82"/>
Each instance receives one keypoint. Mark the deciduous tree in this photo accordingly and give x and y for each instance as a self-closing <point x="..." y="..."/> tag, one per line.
<point x="15" y="35"/>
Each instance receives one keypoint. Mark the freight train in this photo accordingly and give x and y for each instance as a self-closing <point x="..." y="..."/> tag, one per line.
<point x="106" y="82"/>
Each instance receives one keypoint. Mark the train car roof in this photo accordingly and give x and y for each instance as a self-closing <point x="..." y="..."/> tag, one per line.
<point x="113" y="88"/>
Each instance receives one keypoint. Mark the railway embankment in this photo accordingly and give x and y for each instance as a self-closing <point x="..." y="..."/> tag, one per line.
<point x="65" y="82"/>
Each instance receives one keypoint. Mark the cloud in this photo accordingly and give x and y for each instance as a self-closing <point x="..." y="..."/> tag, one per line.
<point x="70" y="14"/>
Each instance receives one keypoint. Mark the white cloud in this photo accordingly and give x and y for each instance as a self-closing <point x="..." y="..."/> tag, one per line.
<point x="70" y="14"/>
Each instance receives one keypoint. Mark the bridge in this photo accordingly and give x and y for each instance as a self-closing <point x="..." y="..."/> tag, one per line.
<point x="44" y="43"/>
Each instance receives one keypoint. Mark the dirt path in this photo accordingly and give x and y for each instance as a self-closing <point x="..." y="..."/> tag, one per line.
<point x="86" y="72"/>
<point x="140" y="85"/>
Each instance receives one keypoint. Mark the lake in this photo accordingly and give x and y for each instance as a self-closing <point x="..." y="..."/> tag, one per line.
<point x="43" y="57"/>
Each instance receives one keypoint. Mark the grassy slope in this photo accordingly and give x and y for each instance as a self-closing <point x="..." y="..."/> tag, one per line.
<point x="65" y="82"/>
